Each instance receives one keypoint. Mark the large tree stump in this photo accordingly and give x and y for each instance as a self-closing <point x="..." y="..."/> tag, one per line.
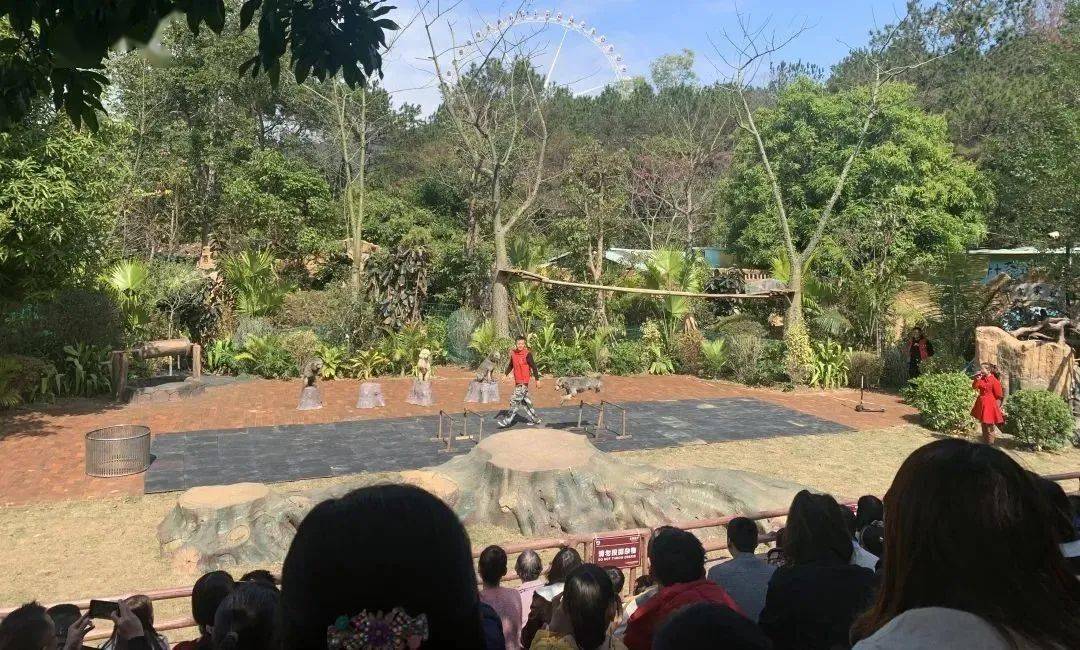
<point x="222" y="526"/>
<point x="420" y="393"/>
<point x="544" y="482"/>
<point x="371" y="396"/>
<point x="482" y="392"/>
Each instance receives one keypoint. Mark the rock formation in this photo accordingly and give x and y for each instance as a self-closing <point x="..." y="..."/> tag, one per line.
<point x="539" y="481"/>
<point x="1026" y="364"/>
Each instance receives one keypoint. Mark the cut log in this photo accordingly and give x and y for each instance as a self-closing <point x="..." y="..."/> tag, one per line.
<point x="546" y="482"/>
<point x="420" y="393"/>
<point x="163" y="348"/>
<point x="371" y="396"/>
<point x="222" y="526"/>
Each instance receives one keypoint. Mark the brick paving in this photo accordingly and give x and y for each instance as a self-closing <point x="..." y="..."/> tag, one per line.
<point x="42" y="457"/>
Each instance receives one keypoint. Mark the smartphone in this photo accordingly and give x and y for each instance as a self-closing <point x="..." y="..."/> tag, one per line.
<point x="102" y="608"/>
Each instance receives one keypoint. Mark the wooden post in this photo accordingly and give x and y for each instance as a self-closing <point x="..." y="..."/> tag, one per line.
<point x="196" y="360"/>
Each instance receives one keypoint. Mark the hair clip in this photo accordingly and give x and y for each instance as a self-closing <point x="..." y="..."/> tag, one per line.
<point x="394" y="631"/>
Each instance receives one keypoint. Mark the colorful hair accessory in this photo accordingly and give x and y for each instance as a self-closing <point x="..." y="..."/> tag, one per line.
<point x="394" y="631"/>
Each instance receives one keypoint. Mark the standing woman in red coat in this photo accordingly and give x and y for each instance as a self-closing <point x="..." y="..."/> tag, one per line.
<point x="987" y="409"/>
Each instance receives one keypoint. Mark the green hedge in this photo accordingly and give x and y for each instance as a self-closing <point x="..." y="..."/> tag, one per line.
<point x="1039" y="418"/>
<point x="944" y="400"/>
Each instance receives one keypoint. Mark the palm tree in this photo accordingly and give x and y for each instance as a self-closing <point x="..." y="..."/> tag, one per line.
<point x="676" y="270"/>
<point x="126" y="278"/>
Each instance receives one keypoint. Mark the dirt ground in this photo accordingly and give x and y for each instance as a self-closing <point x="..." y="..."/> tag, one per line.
<point x="107" y="546"/>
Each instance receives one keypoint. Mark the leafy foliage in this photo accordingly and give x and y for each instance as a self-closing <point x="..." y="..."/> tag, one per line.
<point x="867" y="367"/>
<point x="460" y="326"/>
<point x="715" y="354"/>
<point x="41" y="328"/>
<point x="944" y="400"/>
<point x="1039" y="418"/>
<point x="366" y="364"/>
<point x="24" y="379"/>
<point x="252" y="277"/>
<point x="485" y="340"/>
<point x="84" y="372"/>
<point x="265" y="356"/>
<point x="628" y="357"/>
<point x="399" y="284"/>
<point x="831" y="365"/>
<point x="220" y="356"/>
<point x="60" y="44"/>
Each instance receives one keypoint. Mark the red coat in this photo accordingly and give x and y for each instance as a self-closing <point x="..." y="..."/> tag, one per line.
<point x="647" y="618"/>
<point x="987" y="410"/>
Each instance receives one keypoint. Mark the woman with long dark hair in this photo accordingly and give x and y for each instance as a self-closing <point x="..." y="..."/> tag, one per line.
<point x="381" y="557"/>
<point x="542" y="606"/>
<point x="583" y="617"/>
<point x="247" y="619"/>
<point x="971" y="560"/>
<point x="813" y="598"/>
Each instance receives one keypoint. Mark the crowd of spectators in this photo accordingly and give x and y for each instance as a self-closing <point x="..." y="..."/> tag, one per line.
<point x="968" y="550"/>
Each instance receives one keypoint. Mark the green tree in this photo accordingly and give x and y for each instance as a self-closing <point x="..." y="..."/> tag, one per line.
<point x="57" y="192"/>
<point x="907" y="199"/>
<point x="673" y="70"/>
<point x="61" y="45"/>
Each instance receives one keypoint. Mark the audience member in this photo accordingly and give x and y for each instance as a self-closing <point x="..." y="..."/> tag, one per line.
<point x="775" y="555"/>
<point x="1061" y="512"/>
<point x="814" y="597"/>
<point x="1074" y="499"/>
<point x="677" y="563"/>
<point x="248" y="617"/>
<point x="506" y="602"/>
<point x="643" y="584"/>
<point x="63" y="617"/>
<point x="583" y="614"/>
<point x="541" y="608"/>
<point x="745" y="577"/>
<point x="1010" y="588"/>
<point x="27" y="628"/>
<point x="206" y="596"/>
<point x="261" y="576"/>
<point x="868" y="509"/>
<point x="859" y="555"/>
<point x="528" y="568"/>
<point x="143" y="608"/>
<point x="644" y="589"/>
<point x="872" y="538"/>
<point x="707" y="626"/>
<point x="394" y="549"/>
<point x="618" y="581"/>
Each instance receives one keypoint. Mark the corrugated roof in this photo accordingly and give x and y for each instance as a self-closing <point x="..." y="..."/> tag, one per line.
<point x="1022" y="250"/>
<point x="636" y="257"/>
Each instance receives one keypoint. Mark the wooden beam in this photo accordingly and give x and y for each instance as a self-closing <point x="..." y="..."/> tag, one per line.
<point x="534" y="277"/>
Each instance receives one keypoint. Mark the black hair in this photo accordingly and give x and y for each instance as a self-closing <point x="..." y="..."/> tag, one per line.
<point x="521" y="337"/>
<point x="374" y="549"/>
<point x="207" y="594"/>
<point x="868" y="510"/>
<point x="528" y="566"/>
<point x="565" y="561"/>
<point x="872" y="538"/>
<point x="705" y="625"/>
<point x="676" y="556"/>
<point x="492" y="565"/>
<point x="618" y="579"/>
<point x="642" y="583"/>
<point x="849" y="520"/>
<point x="248" y="618"/>
<point x="816" y="531"/>
<point x="1015" y="577"/>
<point x="63" y="615"/>
<point x="1074" y="500"/>
<point x="742" y="534"/>
<point x="261" y="576"/>
<point x="589" y="600"/>
<point x="775" y="555"/>
<point x="1061" y="520"/>
<point x="26" y="628"/>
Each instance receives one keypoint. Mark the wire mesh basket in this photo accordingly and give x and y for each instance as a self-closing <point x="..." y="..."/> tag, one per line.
<point x="118" y="450"/>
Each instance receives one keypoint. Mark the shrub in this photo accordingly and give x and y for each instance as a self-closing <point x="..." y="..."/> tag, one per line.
<point x="1039" y="418"/>
<point x="895" y="374"/>
<point x="338" y="316"/>
<point x="42" y="328"/>
<point x="658" y="360"/>
<point x="484" y="341"/>
<point x="220" y="356"/>
<point x="688" y="354"/>
<point x="85" y="371"/>
<point x="866" y="365"/>
<point x="460" y="326"/>
<point x="942" y="362"/>
<point x="715" y="355"/>
<point x="829" y="367"/>
<point x="628" y="358"/>
<point x="264" y="356"/>
<point x="943" y="399"/>
<point x="569" y="361"/>
<point x="248" y="326"/>
<point x="251" y="276"/>
<point x="301" y="345"/>
<point x="366" y="364"/>
<point x="333" y="359"/>
<point x="24" y="379"/>
<point x="740" y="324"/>
<point x="403" y="347"/>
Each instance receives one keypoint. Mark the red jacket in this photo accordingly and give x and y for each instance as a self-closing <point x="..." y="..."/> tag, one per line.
<point x="645" y="621"/>
<point x="523" y="366"/>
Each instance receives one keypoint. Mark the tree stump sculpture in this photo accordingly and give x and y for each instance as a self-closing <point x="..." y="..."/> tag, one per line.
<point x="420" y="393"/>
<point x="310" y="395"/>
<point x="484" y="388"/>
<point x="371" y="396"/>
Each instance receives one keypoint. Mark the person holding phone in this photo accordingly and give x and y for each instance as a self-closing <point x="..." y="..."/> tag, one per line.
<point x="987" y="409"/>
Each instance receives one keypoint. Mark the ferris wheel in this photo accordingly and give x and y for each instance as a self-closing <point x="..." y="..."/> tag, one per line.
<point x="544" y="20"/>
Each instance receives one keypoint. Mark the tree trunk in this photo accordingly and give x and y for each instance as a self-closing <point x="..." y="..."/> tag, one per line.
<point x="500" y="294"/>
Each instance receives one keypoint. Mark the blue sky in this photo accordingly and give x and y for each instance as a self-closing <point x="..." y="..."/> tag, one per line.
<point x="640" y="31"/>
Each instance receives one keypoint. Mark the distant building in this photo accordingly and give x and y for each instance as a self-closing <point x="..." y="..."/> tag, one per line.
<point x="1013" y="261"/>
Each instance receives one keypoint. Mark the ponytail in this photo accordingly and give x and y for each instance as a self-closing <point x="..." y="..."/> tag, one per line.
<point x="247" y="618"/>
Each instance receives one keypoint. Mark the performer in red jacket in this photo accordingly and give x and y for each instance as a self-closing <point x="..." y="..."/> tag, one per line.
<point x="522" y="368"/>
<point x="987" y="409"/>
